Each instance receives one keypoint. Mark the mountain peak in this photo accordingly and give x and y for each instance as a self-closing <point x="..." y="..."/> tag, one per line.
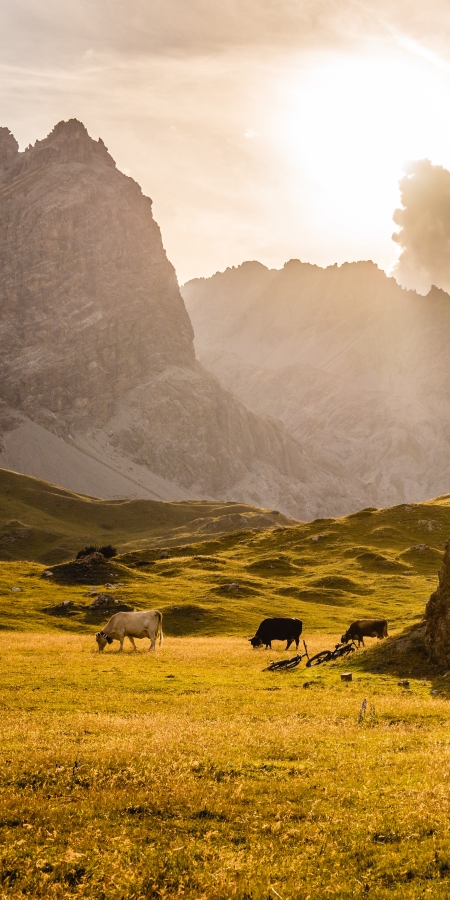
<point x="70" y="142"/>
<point x="70" y="130"/>
<point x="9" y="147"/>
<point x="97" y="346"/>
<point x="436" y="293"/>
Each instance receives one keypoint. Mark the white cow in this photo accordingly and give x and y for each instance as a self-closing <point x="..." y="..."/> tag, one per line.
<point x="147" y="623"/>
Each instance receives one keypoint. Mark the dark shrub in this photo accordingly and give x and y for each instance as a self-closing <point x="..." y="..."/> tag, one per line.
<point x="108" y="551"/>
<point x="86" y="552"/>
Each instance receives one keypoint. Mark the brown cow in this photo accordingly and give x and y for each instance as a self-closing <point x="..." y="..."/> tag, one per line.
<point x="138" y="624"/>
<point x="365" y="628"/>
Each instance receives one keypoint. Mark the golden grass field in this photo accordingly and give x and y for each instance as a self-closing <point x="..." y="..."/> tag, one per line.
<point x="192" y="773"/>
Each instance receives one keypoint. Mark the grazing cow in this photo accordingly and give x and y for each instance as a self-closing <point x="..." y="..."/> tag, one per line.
<point x="277" y="630"/>
<point x="365" y="628"/>
<point x="131" y="625"/>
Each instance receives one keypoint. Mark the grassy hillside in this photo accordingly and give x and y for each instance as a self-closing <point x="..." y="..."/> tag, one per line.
<point x="47" y="524"/>
<point x="327" y="572"/>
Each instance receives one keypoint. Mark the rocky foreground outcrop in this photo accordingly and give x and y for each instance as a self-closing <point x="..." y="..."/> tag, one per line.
<point x="437" y="616"/>
<point x="97" y="346"/>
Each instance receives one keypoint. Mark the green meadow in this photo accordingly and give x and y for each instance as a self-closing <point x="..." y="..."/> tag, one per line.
<point x="327" y="572"/>
<point x="192" y="772"/>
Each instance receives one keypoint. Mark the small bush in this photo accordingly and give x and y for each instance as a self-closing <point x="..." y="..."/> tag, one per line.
<point x="107" y="551"/>
<point x="86" y="552"/>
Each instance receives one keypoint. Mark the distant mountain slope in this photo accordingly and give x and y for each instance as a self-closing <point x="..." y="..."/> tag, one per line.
<point x="353" y="365"/>
<point x="97" y="346"/>
<point x="44" y="523"/>
<point x="83" y="465"/>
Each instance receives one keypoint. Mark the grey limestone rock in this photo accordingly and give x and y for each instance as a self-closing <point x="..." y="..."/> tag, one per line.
<point x="354" y="366"/>
<point x="9" y="148"/>
<point x="437" y="616"/>
<point x="97" y="345"/>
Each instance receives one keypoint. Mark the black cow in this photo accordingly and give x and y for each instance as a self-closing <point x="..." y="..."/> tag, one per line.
<point x="288" y="630"/>
<point x="365" y="628"/>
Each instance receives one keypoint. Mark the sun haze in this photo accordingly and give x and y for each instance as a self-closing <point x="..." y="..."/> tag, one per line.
<point x="261" y="130"/>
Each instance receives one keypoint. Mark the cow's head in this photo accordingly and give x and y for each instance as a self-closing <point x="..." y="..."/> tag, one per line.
<point x="345" y="638"/>
<point x="102" y="640"/>
<point x="255" y="641"/>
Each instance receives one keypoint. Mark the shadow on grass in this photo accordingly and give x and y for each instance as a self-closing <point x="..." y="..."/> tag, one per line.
<point x="403" y="656"/>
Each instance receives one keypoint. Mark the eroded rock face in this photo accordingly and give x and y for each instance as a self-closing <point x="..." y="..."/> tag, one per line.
<point x="9" y="148"/>
<point x="437" y="616"/>
<point x="97" y="346"/>
<point x="90" y="303"/>
<point x="354" y="366"/>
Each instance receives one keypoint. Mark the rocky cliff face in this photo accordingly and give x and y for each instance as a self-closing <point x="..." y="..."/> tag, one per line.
<point x="97" y="346"/>
<point x="437" y="616"/>
<point x="90" y="303"/>
<point x="354" y="366"/>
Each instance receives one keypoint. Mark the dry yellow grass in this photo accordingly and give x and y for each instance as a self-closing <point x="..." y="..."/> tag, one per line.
<point x="191" y="773"/>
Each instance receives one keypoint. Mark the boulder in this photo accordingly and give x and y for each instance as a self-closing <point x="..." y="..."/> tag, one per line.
<point x="67" y="607"/>
<point x="106" y="601"/>
<point x="437" y="616"/>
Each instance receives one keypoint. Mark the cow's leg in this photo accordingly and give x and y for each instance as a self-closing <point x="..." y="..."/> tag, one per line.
<point x="297" y="641"/>
<point x="121" y="644"/>
<point x="132" y="643"/>
<point x="152" y="643"/>
<point x="362" y="642"/>
<point x="289" y="642"/>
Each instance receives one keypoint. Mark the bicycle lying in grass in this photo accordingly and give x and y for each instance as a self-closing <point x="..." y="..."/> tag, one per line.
<point x="284" y="665"/>
<point x="339" y="651"/>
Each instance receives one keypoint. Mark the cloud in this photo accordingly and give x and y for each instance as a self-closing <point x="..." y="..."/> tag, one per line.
<point x="48" y="31"/>
<point x="424" y="221"/>
<point x="193" y="98"/>
<point x="49" y="28"/>
<point x="160" y="26"/>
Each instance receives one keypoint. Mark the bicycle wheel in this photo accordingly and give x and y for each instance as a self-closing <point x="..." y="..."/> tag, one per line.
<point x="319" y="658"/>
<point x="277" y="666"/>
<point x="294" y="663"/>
<point x="343" y="651"/>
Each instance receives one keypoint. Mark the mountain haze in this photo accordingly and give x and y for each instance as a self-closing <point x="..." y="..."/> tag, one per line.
<point x="353" y="365"/>
<point x="100" y="388"/>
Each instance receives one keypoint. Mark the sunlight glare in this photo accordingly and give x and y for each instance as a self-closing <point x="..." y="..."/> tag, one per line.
<point x="345" y="131"/>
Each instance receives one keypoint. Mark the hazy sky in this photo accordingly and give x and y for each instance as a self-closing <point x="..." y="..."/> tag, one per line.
<point x="262" y="129"/>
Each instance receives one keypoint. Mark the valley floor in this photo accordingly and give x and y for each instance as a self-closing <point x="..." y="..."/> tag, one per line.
<point x="192" y="773"/>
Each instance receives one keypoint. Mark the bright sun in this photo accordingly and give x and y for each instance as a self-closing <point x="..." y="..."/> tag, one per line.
<point x="345" y="130"/>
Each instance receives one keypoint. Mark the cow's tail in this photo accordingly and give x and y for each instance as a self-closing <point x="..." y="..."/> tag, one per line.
<point x="385" y="630"/>
<point x="160" y="631"/>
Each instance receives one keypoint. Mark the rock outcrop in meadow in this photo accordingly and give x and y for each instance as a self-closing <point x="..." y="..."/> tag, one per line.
<point x="437" y="616"/>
